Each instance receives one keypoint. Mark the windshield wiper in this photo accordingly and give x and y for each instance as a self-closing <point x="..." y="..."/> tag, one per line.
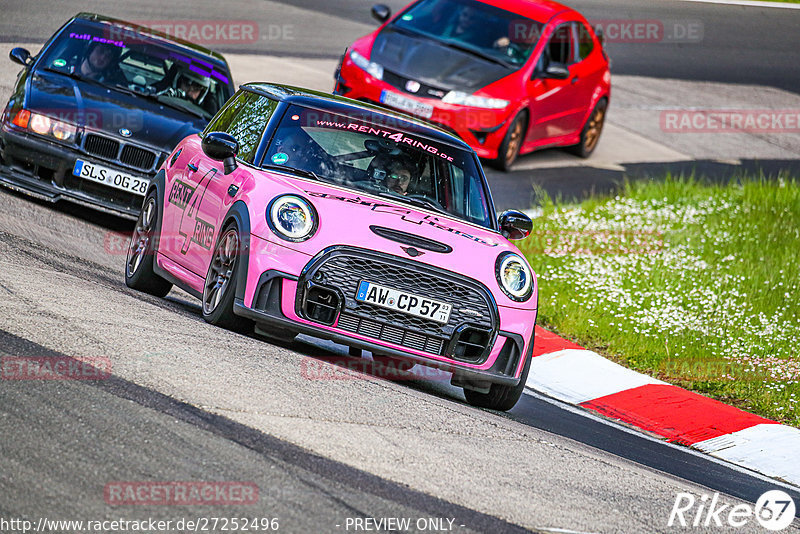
<point x="74" y="76"/>
<point x="477" y="53"/>
<point x="177" y="103"/>
<point x="416" y="201"/>
<point x="409" y="31"/>
<point x="302" y="172"/>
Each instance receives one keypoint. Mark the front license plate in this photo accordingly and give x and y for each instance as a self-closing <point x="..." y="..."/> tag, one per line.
<point x="406" y="104"/>
<point x="110" y="177"/>
<point x="409" y="303"/>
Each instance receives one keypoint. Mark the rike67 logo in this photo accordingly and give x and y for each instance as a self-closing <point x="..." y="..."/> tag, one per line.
<point x="774" y="510"/>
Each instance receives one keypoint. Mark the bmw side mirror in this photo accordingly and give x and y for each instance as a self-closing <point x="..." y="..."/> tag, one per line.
<point x="222" y="147"/>
<point x="558" y="71"/>
<point x="20" y="55"/>
<point x="381" y="12"/>
<point x="515" y="224"/>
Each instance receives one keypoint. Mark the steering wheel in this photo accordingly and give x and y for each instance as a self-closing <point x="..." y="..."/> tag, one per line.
<point x="427" y="199"/>
<point x="374" y="186"/>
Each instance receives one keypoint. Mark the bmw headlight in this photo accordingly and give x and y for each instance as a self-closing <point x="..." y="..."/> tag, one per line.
<point x="463" y="99"/>
<point x="44" y="125"/>
<point x="372" y="68"/>
<point x="514" y="276"/>
<point x="292" y="218"/>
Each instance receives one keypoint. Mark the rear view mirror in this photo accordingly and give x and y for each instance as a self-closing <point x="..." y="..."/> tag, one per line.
<point x="515" y="224"/>
<point x="381" y="12"/>
<point x="20" y="55"/>
<point x="222" y="147"/>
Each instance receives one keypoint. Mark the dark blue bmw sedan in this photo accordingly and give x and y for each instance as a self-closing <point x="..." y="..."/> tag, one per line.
<point x="95" y="113"/>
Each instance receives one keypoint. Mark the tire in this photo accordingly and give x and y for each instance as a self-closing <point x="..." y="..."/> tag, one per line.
<point x="590" y="134"/>
<point x="139" y="274"/>
<point x="512" y="142"/>
<point x="219" y="289"/>
<point x="501" y="398"/>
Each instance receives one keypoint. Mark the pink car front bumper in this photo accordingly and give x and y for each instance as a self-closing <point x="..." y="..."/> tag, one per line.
<point x="280" y="294"/>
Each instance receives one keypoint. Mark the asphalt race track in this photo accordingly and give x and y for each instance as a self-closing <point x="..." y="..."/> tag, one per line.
<point x="190" y="402"/>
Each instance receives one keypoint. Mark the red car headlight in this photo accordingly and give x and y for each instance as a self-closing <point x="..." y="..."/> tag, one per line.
<point x="463" y="99"/>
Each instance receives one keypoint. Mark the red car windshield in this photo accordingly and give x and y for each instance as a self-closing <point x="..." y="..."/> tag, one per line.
<point x="382" y="160"/>
<point x="494" y="33"/>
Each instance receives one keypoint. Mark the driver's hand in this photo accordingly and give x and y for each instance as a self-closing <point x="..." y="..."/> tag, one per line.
<point x="502" y="42"/>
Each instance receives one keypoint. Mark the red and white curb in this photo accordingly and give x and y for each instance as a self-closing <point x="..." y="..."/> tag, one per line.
<point x="567" y="372"/>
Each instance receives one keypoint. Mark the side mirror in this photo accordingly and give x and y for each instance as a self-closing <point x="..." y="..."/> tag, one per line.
<point x="20" y="55"/>
<point x="558" y="71"/>
<point x="222" y="147"/>
<point x="381" y="12"/>
<point x="515" y="224"/>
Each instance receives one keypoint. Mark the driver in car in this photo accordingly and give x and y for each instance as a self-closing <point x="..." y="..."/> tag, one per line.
<point x="398" y="176"/>
<point x="193" y="85"/>
<point x="101" y="63"/>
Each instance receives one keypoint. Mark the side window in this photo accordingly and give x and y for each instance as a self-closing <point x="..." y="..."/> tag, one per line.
<point x="585" y="41"/>
<point x="245" y="118"/>
<point x="559" y="49"/>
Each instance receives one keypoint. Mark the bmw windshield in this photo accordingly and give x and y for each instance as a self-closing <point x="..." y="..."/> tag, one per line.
<point x="493" y="33"/>
<point x="381" y="160"/>
<point x="132" y="62"/>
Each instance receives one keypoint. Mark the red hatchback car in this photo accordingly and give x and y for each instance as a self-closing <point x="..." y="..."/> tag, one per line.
<point x="507" y="76"/>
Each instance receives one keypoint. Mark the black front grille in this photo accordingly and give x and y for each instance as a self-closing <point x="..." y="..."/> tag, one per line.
<point x="391" y="334"/>
<point x="425" y="90"/>
<point x="343" y="268"/>
<point x="131" y="155"/>
<point x="137" y="157"/>
<point x="103" y="147"/>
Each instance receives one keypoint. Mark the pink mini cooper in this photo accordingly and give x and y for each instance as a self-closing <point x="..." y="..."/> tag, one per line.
<point x="302" y="212"/>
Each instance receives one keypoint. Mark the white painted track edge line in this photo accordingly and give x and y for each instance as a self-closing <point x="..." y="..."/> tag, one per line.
<point x="747" y="3"/>
<point x="589" y="415"/>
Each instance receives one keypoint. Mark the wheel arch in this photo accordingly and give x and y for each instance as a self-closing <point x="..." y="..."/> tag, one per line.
<point x="239" y="214"/>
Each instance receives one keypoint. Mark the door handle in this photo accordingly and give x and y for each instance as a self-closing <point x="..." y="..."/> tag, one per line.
<point x="192" y="167"/>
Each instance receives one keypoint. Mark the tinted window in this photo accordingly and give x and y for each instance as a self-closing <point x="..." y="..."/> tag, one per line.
<point x="559" y="49"/>
<point x="585" y="41"/>
<point x="244" y="118"/>
<point x="368" y="155"/>
<point x="133" y="62"/>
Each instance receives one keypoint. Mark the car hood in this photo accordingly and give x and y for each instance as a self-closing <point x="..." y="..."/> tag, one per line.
<point x="107" y="110"/>
<point x="356" y="218"/>
<point x="433" y="63"/>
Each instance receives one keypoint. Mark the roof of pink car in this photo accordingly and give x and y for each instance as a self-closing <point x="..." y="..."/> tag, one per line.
<point x="538" y="10"/>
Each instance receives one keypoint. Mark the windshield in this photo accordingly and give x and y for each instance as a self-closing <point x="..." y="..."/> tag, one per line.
<point x="365" y="154"/>
<point x="489" y="31"/>
<point x="132" y="62"/>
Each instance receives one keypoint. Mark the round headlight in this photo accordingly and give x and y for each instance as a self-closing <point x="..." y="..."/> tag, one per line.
<point x="39" y="124"/>
<point x="63" y="131"/>
<point x="292" y="218"/>
<point x="514" y="276"/>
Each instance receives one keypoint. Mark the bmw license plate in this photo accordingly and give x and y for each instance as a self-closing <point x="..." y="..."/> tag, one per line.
<point x="110" y="177"/>
<point x="406" y="104"/>
<point x="409" y="303"/>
